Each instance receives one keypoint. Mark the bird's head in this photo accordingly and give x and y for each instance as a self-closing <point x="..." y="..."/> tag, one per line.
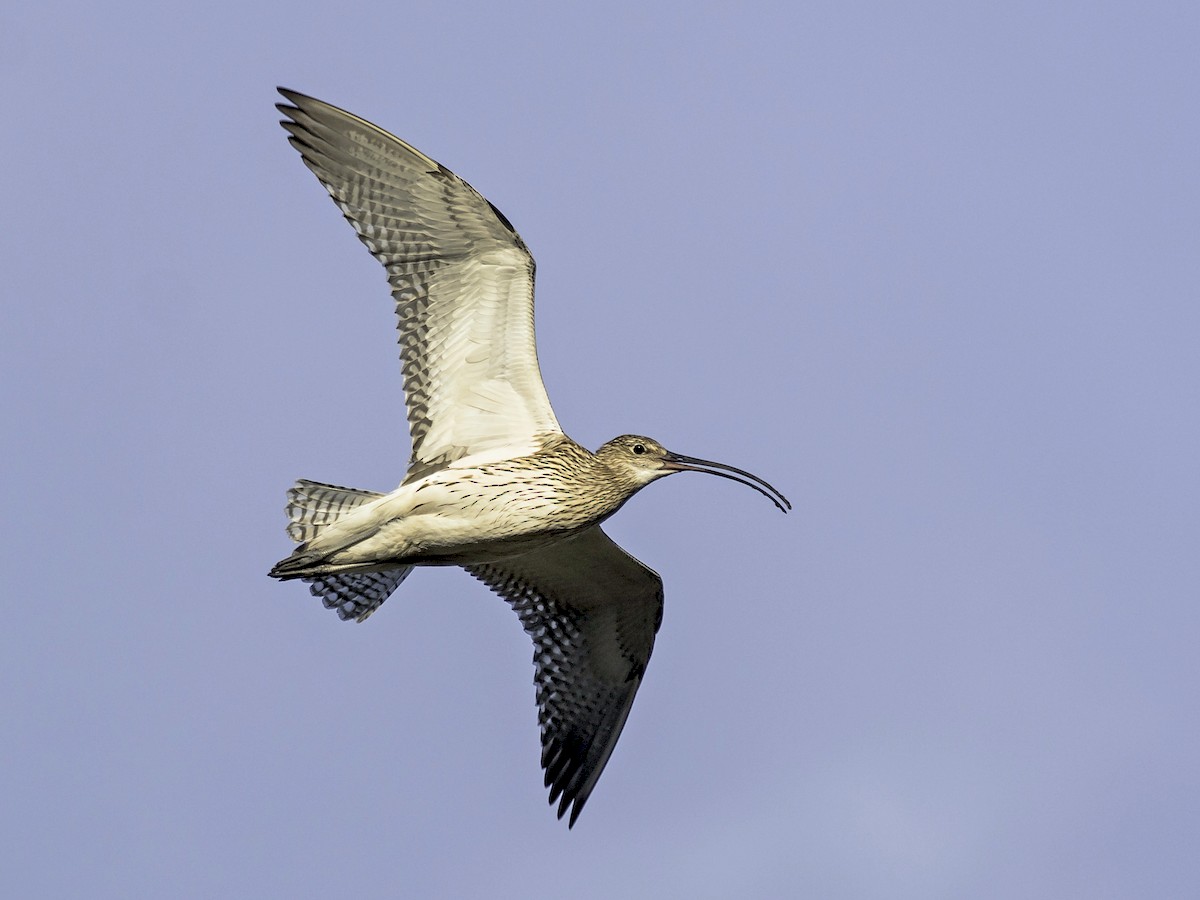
<point x="643" y="460"/>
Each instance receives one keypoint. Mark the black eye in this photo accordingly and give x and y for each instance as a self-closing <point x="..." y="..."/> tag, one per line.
<point x="639" y="449"/>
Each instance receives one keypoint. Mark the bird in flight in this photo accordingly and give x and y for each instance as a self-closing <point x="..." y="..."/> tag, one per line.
<point x="493" y="485"/>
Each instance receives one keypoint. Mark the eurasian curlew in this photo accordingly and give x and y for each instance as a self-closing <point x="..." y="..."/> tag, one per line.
<point x="493" y="484"/>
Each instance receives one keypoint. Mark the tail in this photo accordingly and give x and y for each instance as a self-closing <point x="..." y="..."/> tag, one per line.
<point x="311" y="507"/>
<point x="355" y="595"/>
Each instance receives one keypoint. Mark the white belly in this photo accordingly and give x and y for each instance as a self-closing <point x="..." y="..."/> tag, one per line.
<point x="455" y="517"/>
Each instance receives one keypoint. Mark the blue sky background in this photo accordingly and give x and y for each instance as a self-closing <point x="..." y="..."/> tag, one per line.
<point x="930" y="268"/>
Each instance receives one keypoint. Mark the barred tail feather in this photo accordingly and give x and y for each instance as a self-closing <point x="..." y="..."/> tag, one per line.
<point x="355" y="595"/>
<point x="312" y="506"/>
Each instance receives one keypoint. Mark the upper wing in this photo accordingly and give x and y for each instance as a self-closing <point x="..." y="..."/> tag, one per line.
<point x="592" y="611"/>
<point x="461" y="276"/>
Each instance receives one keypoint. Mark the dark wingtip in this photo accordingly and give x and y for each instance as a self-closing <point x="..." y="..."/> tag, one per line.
<point x="288" y="109"/>
<point x="296" y="101"/>
<point x="575" y="811"/>
<point x="572" y="803"/>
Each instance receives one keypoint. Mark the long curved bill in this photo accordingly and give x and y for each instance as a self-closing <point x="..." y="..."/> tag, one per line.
<point x="677" y="462"/>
